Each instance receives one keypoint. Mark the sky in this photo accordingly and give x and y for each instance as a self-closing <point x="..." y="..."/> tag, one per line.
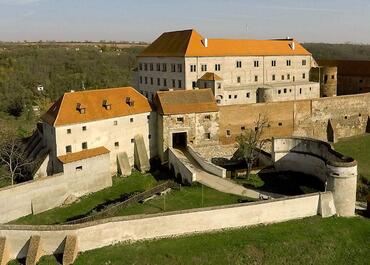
<point x="334" y="21"/>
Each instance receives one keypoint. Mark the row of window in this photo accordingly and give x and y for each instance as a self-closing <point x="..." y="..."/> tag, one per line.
<point x="247" y="95"/>
<point x="160" y="67"/>
<point x="273" y="78"/>
<point x="285" y="90"/>
<point x="180" y="119"/>
<point x="84" y="145"/>
<point x="146" y="80"/>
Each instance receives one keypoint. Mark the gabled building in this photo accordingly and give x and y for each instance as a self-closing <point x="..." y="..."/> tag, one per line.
<point x="119" y="120"/>
<point x="238" y="71"/>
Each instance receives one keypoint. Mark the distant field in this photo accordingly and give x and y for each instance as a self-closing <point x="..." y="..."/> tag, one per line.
<point x="76" y="44"/>
<point x="307" y="241"/>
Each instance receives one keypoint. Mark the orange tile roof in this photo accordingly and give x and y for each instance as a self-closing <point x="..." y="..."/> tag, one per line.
<point x="210" y="77"/>
<point x="186" y="101"/>
<point x="64" y="111"/>
<point x="189" y="43"/>
<point x="85" y="154"/>
<point x="348" y="67"/>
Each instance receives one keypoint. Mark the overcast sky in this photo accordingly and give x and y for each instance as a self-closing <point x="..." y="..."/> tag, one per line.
<point x="143" y="20"/>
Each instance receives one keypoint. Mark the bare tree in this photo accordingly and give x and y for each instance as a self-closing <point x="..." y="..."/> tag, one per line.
<point x="13" y="155"/>
<point x="251" y="140"/>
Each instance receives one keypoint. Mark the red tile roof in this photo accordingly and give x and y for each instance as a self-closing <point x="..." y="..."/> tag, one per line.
<point x="65" y="111"/>
<point x="85" y="154"/>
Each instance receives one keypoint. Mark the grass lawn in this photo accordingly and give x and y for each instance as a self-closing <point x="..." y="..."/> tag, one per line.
<point x="359" y="148"/>
<point x="307" y="241"/>
<point x="186" y="198"/>
<point x="121" y="186"/>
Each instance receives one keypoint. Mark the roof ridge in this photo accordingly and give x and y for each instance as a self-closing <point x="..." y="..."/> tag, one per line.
<point x="97" y="89"/>
<point x="60" y="106"/>
<point x="193" y="32"/>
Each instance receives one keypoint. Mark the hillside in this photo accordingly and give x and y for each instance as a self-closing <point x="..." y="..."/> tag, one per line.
<point x="339" y="51"/>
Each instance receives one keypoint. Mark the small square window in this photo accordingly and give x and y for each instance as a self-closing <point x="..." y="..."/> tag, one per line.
<point x="131" y="120"/>
<point x="207" y="136"/>
<point x="149" y="136"/>
<point x="238" y="79"/>
<point x="256" y="78"/>
<point x="279" y="91"/>
<point x="228" y="133"/>
<point x="303" y="76"/>
<point x="242" y="128"/>
<point x="132" y="140"/>
<point x="273" y="77"/>
<point x="84" y="145"/>
<point x="68" y="149"/>
<point x="148" y="117"/>
<point x="79" y="168"/>
<point x="180" y="119"/>
<point x="69" y="131"/>
<point x="280" y="124"/>
<point x="248" y="95"/>
<point x="84" y="128"/>
<point x="229" y="96"/>
<point x="207" y="117"/>
<point x="115" y="123"/>
<point x="116" y="144"/>
<point x="235" y="96"/>
<point x="284" y="90"/>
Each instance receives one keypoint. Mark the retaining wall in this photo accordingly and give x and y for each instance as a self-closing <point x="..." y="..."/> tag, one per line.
<point x="111" y="231"/>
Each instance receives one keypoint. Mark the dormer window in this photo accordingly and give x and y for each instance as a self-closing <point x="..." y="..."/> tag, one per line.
<point x="106" y="104"/>
<point x="80" y="108"/>
<point x="130" y="101"/>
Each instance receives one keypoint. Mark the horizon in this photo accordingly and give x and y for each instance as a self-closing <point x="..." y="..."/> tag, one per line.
<point x="334" y="22"/>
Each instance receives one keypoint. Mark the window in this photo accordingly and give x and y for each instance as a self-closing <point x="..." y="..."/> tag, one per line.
<point x="116" y="144"/>
<point x="132" y="140"/>
<point x="140" y="66"/>
<point x="69" y="131"/>
<point x="282" y="77"/>
<point x="158" y="67"/>
<point x="179" y="83"/>
<point x="273" y="78"/>
<point x="242" y="128"/>
<point x="207" y="136"/>
<point x="273" y="63"/>
<point x="284" y="90"/>
<point x="141" y="79"/>
<point x="173" y="67"/>
<point x="238" y="79"/>
<point x="304" y="62"/>
<point x="207" y="117"/>
<point x="180" y="119"/>
<point x="68" y="149"/>
<point x="179" y="67"/>
<point x="145" y="67"/>
<point x="194" y="84"/>
<point x="235" y="96"/>
<point x="238" y="64"/>
<point x="280" y="124"/>
<point x="290" y="91"/>
<point x="228" y="132"/>
<point x="151" y="67"/>
<point x="229" y="96"/>
<point x="151" y="81"/>
<point x="193" y="68"/>
<point x="303" y="76"/>
<point x="115" y="123"/>
<point x="256" y="63"/>
<point x="148" y="117"/>
<point x="300" y="91"/>
<point x="158" y="81"/>
<point x="218" y="85"/>
<point x="84" y="145"/>
<point x="256" y="78"/>
<point x="204" y="67"/>
<point x="333" y="77"/>
<point x="288" y="76"/>
<point x="361" y="81"/>
<point x="288" y="62"/>
<point x="217" y="67"/>
<point x="131" y="120"/>
<point x="164" y="82"/>
<point x="146" y="80"/>
<point x="149" y="136"/>
<point x="310" y="88"/>
<point x="279" y="91"/>
<point x="173" y="83"/>
<point x="248" y="95"/>
<point x="164" y="67"/>
<point x="84" y="128"/>
<point x="79" y="168"/>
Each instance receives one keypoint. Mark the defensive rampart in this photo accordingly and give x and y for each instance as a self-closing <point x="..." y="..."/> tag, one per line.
<point x="317" y="158"/>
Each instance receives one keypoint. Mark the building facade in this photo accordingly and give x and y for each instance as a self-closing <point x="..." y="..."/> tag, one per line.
<point x="182" y="59"/>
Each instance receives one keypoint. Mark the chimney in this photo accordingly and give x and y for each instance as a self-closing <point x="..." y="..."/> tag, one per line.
<point x="205" y="42"/>
<point x="80" y="108"/>
<point x="106" y="104"/>
<point x="293" y="45"/>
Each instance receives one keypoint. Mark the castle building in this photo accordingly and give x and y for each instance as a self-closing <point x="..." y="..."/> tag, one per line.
<point x="237" y="71"/>
<point x="119" y="120"/>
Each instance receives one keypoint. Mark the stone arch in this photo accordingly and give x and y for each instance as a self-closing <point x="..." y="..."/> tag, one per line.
<point x="330" y="135"/>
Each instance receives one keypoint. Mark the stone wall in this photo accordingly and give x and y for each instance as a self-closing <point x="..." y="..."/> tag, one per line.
<point x="323" y="118"/>
<point x="132" y="228"/>
<point x="317" y="158"/>
<point x="46" y="193"/>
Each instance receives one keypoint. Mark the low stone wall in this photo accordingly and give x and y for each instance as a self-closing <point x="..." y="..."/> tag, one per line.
<point x="132" y="228"/>
<point x="206" y="165"/>
<point x="317" y="158"/>
<point x="46" y="193"/>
